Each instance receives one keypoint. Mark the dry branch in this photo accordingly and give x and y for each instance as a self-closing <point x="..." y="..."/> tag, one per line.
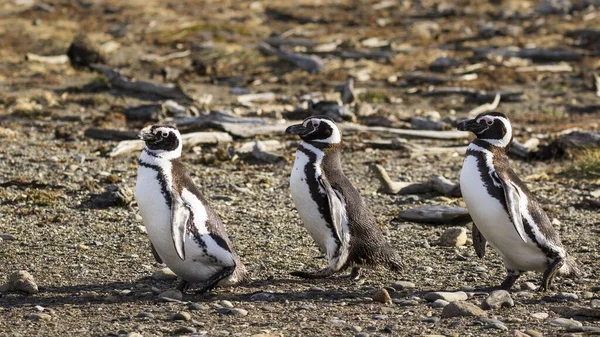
<point x="436" y="183"/>
<point x="310" y="63"/>
<point x="117" y="80"/>
<point x="165" y="58"/>
<point x="55" y="59"/>
<point x="437" y="214"/>
<point x="486" y="107"/>
<point x="189" y="139"/>
<point x="427" y="134"/>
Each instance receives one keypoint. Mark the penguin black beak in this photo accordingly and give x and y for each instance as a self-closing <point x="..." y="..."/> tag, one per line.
<point x="471" y="125"/>
<point x="298" y="129"/>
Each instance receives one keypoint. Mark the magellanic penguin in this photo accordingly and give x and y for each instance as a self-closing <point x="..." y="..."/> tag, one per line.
<point x="504" y="211"/>
<point x="185" y="232"/>
<point x="331" y="209"/>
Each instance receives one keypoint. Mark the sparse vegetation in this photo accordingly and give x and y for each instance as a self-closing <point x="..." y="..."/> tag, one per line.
<point x="374" y="97"/>
<point x="585" y="165"/>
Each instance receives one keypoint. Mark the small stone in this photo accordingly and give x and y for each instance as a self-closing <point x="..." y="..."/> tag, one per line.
<point x="361" y="334"/>
<point x="462" y="308"/>
<point x="22" y="281"/>
<point x="539" y="315"/>
<point x="403" y="285"/>
<point x="6" y="237"/>
<point x="594" y="330"/>
<point x="39" y="317"/>
<point x="184" y="330"/>
<point x="382" y="296"/>
<point x="425" y="269"/>
<point x="265" y="297"/>
<point x="134" y="334"/>
<point x="164" y="274"/>
<point x="565" y="322"/>
<point x="356" y="328"/>
<point x="439" y="303"/>
<point x="171" y="294"/>
<point x="528" y="286"/>
<point x="595" y="303"/>
<point x="446" y="296"/>
<point x="181" y="316"/>
<point x="432" y="319"/>
<point x="380" y="317"/>
<point x="498" y="299"/>
<point x="226" y="304"/>
<point x="534" y="333"/>
<point x="587" y="294"/>
<point x="567" y="296"/>
<point x="145" y="315"/>
<point x="454" y="237"/>
<point x="232" y="311"/>
<point x="493" y="324"/>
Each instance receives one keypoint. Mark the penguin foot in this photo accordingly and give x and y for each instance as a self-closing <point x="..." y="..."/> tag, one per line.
<point x="323" y="273"/>
<point x="551" y="273"/>
<point x="355" y="274"/>
<point x="214" y="280"/>
<point x="509" y="281"/>
<point x="183" y="286"/>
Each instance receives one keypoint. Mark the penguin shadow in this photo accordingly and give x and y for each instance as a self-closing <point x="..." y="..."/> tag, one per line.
<point x="56" y="296"/>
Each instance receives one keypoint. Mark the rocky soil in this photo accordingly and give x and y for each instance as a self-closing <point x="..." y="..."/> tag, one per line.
<point x="69" y="219"/>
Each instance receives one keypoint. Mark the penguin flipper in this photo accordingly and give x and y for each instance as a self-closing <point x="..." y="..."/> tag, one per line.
<point x="479" y="241"/>
<point x="180" y="215"/>
<point x="337" y="209"/>
<point x="514" y="197"/>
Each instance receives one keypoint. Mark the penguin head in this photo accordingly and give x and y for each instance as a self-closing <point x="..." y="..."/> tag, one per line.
<point x="492" y="127"/>
<point x="319" y="129"/>
<point x="162" y="140"/>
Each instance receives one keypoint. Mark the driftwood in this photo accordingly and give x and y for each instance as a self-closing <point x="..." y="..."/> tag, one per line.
<point x="422" y="123"/>
<point x="436" y="183"/>
<point x="486" y="107"/>
<point x="567" y="143"/>
<point x="427" y="134"/>
<point x="552" y="68"/>
<point x="278" y="41"/>
<point x="106" y="134"/>
<point x="525" y="150"/>
<point x="437" y="214"/>
<point x="534" y="54"/>
<point x="310" y="63"/>
<point x="165" y="58"/>
<point x="55" y="59"/>
<point x="369" y="55"/>
<point x="576" y="310"/>
<point x="189" y="140"/>
<point x="414" y="150"/>
<point x="262" y="97"/>
<point x="267" y="145"/>
<point x="261" y="152"/>
<point x="474" y="94"/>
<point x="347" y="91"/>
<point x="422" y="77"/>
<point x="117" y="80"/>
<point x="155" y="112"/>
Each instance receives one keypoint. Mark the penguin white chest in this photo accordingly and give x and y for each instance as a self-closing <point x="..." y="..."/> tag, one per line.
<point x="308" y="209"/>
<point x="494" y="222"/>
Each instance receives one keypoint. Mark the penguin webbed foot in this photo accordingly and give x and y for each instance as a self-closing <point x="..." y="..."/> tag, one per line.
<point x="214" y="280"/>
<point x="551" y="273"/>
<point x="509" y="281"/>
<point x="183" y="286"/>
<point x="323" y="273"/>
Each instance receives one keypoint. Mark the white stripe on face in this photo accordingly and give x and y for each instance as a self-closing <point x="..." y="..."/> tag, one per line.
<point x="336" y="136"/>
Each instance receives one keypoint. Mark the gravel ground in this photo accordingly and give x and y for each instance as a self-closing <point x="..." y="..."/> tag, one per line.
<point x="86" y="248"/>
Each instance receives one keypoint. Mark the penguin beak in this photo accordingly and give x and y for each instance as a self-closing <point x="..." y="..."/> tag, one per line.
<point x="298" y="129"/>
<point x="145" y="134"/>
<point x="471" y="125"/>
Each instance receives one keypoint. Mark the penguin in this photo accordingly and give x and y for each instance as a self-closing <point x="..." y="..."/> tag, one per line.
<point x="185" y="232"/>
<point x="505" y="214"/>
<point x="331" y="208"/>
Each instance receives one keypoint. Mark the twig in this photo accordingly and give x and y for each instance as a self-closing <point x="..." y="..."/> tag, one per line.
<point x="387" y="184"/>
<point x="55" y="59"/>
<point x="428" y="134"/>
<point x="165" y="58"/>
<point x="189" y="139"/>
<point x="552" y="68"/>
<point x="310" y="63"/>
<point x="485" y="107"/>
<point x="437" y="214"/>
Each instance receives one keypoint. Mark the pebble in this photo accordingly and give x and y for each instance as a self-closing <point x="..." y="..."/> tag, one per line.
<point x="528" y="286"/>
<point x="198" y="306"/>
<point x="233" y="311"/>
<point x="164" y="274"/>
<point x="145" y="315"/>
<point x="171" y="294"/>
<point x="226" y="304"/>
<point x="425" y="269"/>
<point x="446" y="296"/>
<point x="134" y="334"/>
<point x="380" y="317"/>
<point x="454" y="237"/>
<point x="587" y="294"/>
<point x="462" y="308"/>
<point x="534" y="333"/>
<point x="316" y="289"/>
<point x="181" y="316"/>
<point x="266" y="297"/>
<point x="595" y="303"/>
<point x="39" y="317"/>
<point x="567" y="296"/>
<point x="406" y="303"/>
<point x="565" y="322"/>
<point x="493" y="324"/>
<point x="6" y="237"/>
<point x="22" y="281"/>
<point x="539" y="315"/>
<point x="498" y="299"/>
<point x="356" y="328"/>
<point x="361" y="334"/>
<point x="382" y="296"/>
<point x="403" y="285"/>
<point x="184" y="330"/>
<point x="432" y="319"/>
<point x="439" y="303"/>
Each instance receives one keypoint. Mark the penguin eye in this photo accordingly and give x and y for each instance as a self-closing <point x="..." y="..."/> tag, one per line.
<point x="489" y="122"/>
<point x="164" y="134"/>
<point x="315" y="124"/>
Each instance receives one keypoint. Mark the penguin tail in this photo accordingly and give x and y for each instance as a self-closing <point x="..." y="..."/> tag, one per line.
<point x="570" y="268"/>
<point x="394" y="263"/>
